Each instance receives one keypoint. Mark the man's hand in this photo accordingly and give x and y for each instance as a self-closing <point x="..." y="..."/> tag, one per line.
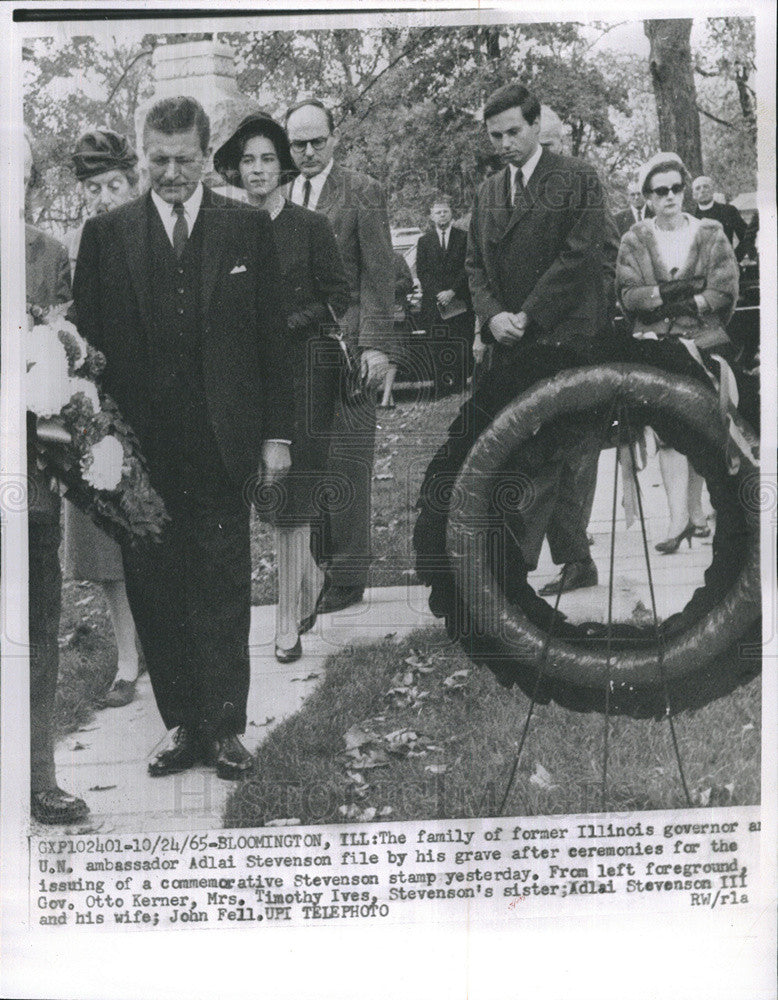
<point x="275" y="461"/>
<point x="375" y="364"/>
<point x="445" y="297"/>
<point x="507" y="328"/>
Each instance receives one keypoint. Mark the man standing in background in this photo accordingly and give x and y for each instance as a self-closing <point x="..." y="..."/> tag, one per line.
<point x="638" y="209"/>
<point x="355" y="205"/>
<point x="445" y="302"/>
<point x="706" y="207"/>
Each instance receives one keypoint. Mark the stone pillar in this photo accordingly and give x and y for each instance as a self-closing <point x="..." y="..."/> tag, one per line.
<point x="204" y="70"/>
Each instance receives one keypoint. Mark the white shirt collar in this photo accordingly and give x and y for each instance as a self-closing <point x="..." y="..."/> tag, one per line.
<point x="704" y="208"/>
<point x="168" y="216"/>
<point x="527" y="168"/>
<point x="317" y="183"/>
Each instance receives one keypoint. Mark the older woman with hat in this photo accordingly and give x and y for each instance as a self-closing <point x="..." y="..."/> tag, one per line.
<point x="257" y="159"/>
<point x="677" y="277"/>
<point x="105" y="166"/>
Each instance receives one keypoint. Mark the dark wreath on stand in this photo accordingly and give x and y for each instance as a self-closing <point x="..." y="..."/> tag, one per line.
<point x="467" y="536"/>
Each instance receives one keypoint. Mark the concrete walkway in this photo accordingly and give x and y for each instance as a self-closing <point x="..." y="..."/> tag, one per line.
<point x="106" y="761"/>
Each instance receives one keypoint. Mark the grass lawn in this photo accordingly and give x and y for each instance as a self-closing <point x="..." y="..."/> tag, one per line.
<point x="405" y="441"/>
<point x="412" y="730"/>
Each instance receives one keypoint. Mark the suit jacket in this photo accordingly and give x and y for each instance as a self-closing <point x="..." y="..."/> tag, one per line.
<point x="546" y="255"/>
<point x="733" y="222"/>
<point x="438" y="271"/>
<point x="356" y="207"/>
<point x="626" y="220"/>
<point x="245" y="372"/>
<point x="47" y="275"/>
<point x="47" y="281"/>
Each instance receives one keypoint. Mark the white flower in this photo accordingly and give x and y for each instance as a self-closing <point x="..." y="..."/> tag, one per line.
<point x="46" y="384"/>
<point x="104" y="471"/>
<point x="89" y="389"/>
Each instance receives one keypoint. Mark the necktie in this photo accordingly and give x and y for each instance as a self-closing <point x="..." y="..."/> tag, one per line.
<point x="518" y="187"/>
<point x="180" y="230"/>
<point x="442" y="233"/>
<point x="306" y="192"/>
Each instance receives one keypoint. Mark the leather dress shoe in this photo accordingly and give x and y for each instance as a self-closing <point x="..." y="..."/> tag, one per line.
<point x="574" y="576"/>
<point x="289" y="655"/>
<point x="232" y="759"/>
<point x="54" y="806"/>
<point x="185" y="752"/>
<point x="336" y="598"/>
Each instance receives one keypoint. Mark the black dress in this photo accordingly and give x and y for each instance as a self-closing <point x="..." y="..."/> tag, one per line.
<point x="314" y="285"/>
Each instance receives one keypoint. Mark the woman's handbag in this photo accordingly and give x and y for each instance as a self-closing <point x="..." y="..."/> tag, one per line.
<point x="353" y="385"/>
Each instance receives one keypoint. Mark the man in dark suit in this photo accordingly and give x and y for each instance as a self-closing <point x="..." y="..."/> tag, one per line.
<point x="440" y="266"/>
<point x="536" y="263"/>
<point x="179" y="289"/>
<point x="47" y="280"/>
<point x="733" y="223"/>
<point x="355" y="205"/>
<point x="638" y="210"/>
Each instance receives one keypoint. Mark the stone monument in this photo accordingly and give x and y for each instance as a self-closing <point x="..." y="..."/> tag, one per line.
<point x="204" y="70"/>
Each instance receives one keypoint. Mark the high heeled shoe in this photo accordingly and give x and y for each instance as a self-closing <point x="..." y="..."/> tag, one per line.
<point x="289" y="655"/>
<point x="670" y="545"/>
<point x="700" y="530"/>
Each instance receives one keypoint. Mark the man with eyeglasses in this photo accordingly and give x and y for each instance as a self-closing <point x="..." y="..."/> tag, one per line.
<point x="356" y="207"/>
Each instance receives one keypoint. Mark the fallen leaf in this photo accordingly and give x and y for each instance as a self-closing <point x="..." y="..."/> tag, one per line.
<point x="367" y="814"/>
<point x="385" y="811"/>
<point x="310" y="677"/>
<point x="86" y="600"/>
<point x="80" y="746"/>
<point x="705" y="797"/>
<point x="383" y="475"/>
<point x="101" y="788"/>
<point x="436" y="768"/>
<point x="356" y="737"/>
<point x="293" y="821"/>
<point x="259" y="725"/>
<point x="541" y="778"/>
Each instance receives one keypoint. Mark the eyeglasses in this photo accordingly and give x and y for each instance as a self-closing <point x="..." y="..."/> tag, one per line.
<point x="664" y="191"/>
<point x="299" y="145"/>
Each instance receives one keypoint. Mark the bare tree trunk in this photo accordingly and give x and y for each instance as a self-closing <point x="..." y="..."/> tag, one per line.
<point x="670" y="64"/>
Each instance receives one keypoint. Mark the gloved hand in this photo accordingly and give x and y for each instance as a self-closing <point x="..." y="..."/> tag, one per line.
<point x="681" y="288"/>
<point x="303" y="319"/>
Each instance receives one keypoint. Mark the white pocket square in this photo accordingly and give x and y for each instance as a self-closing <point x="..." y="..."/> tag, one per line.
<point x="238" y="269"/>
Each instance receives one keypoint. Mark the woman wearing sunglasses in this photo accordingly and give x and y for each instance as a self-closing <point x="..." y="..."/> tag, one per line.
<point x="257" y="159"/>
<point x="677" y="277"/>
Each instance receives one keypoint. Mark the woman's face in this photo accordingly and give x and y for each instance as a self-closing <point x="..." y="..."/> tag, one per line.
<point x="260" y="170"/>
<point x="106" y="191"/>
<point x="666" y="194"/>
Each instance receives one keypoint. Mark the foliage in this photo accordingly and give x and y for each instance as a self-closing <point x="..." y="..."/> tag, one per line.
<point x="406" y="100"/>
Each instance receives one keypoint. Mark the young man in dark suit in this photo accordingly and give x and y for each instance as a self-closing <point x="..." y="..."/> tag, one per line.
<point x="179" y="289"/>
<point x="440" y="266"/>
<point x="536" y="264"/>
<point x="733" y="223"/>
<point x="355" y="205"/>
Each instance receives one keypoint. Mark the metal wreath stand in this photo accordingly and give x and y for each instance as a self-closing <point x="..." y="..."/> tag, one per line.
<point x="687" y="660"/>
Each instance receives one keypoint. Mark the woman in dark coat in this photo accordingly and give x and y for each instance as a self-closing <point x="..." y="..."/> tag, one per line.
<point x="315" y="288"/>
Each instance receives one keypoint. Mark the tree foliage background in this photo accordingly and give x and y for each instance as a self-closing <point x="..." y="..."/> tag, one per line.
<point x="407" y="100"/>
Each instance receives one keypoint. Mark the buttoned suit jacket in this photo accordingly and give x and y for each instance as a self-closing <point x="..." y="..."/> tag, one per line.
<point x="546" y="255"/>
<point x="245" y="371"/>
<point x="356" y="208"/>
<point x="626" y="220"/>
<point x="438" y="271"/>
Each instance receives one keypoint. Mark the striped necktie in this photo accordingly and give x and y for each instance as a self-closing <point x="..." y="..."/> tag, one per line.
<point x="306" y="192"/>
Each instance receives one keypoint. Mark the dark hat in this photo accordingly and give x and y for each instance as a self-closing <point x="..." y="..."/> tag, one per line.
<point x="227" y="157"/>
<point x="100" y="150"/>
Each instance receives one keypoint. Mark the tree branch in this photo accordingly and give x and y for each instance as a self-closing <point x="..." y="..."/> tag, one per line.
<point x="719" y="121"/>
<point x="125" y="71"/>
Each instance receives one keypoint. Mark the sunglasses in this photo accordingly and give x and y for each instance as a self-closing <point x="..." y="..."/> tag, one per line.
<point x="299" y="144"/>
<point x="664" y="191"/>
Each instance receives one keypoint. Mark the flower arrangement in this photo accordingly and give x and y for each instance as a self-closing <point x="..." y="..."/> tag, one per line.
<point x="82" y="440"/>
